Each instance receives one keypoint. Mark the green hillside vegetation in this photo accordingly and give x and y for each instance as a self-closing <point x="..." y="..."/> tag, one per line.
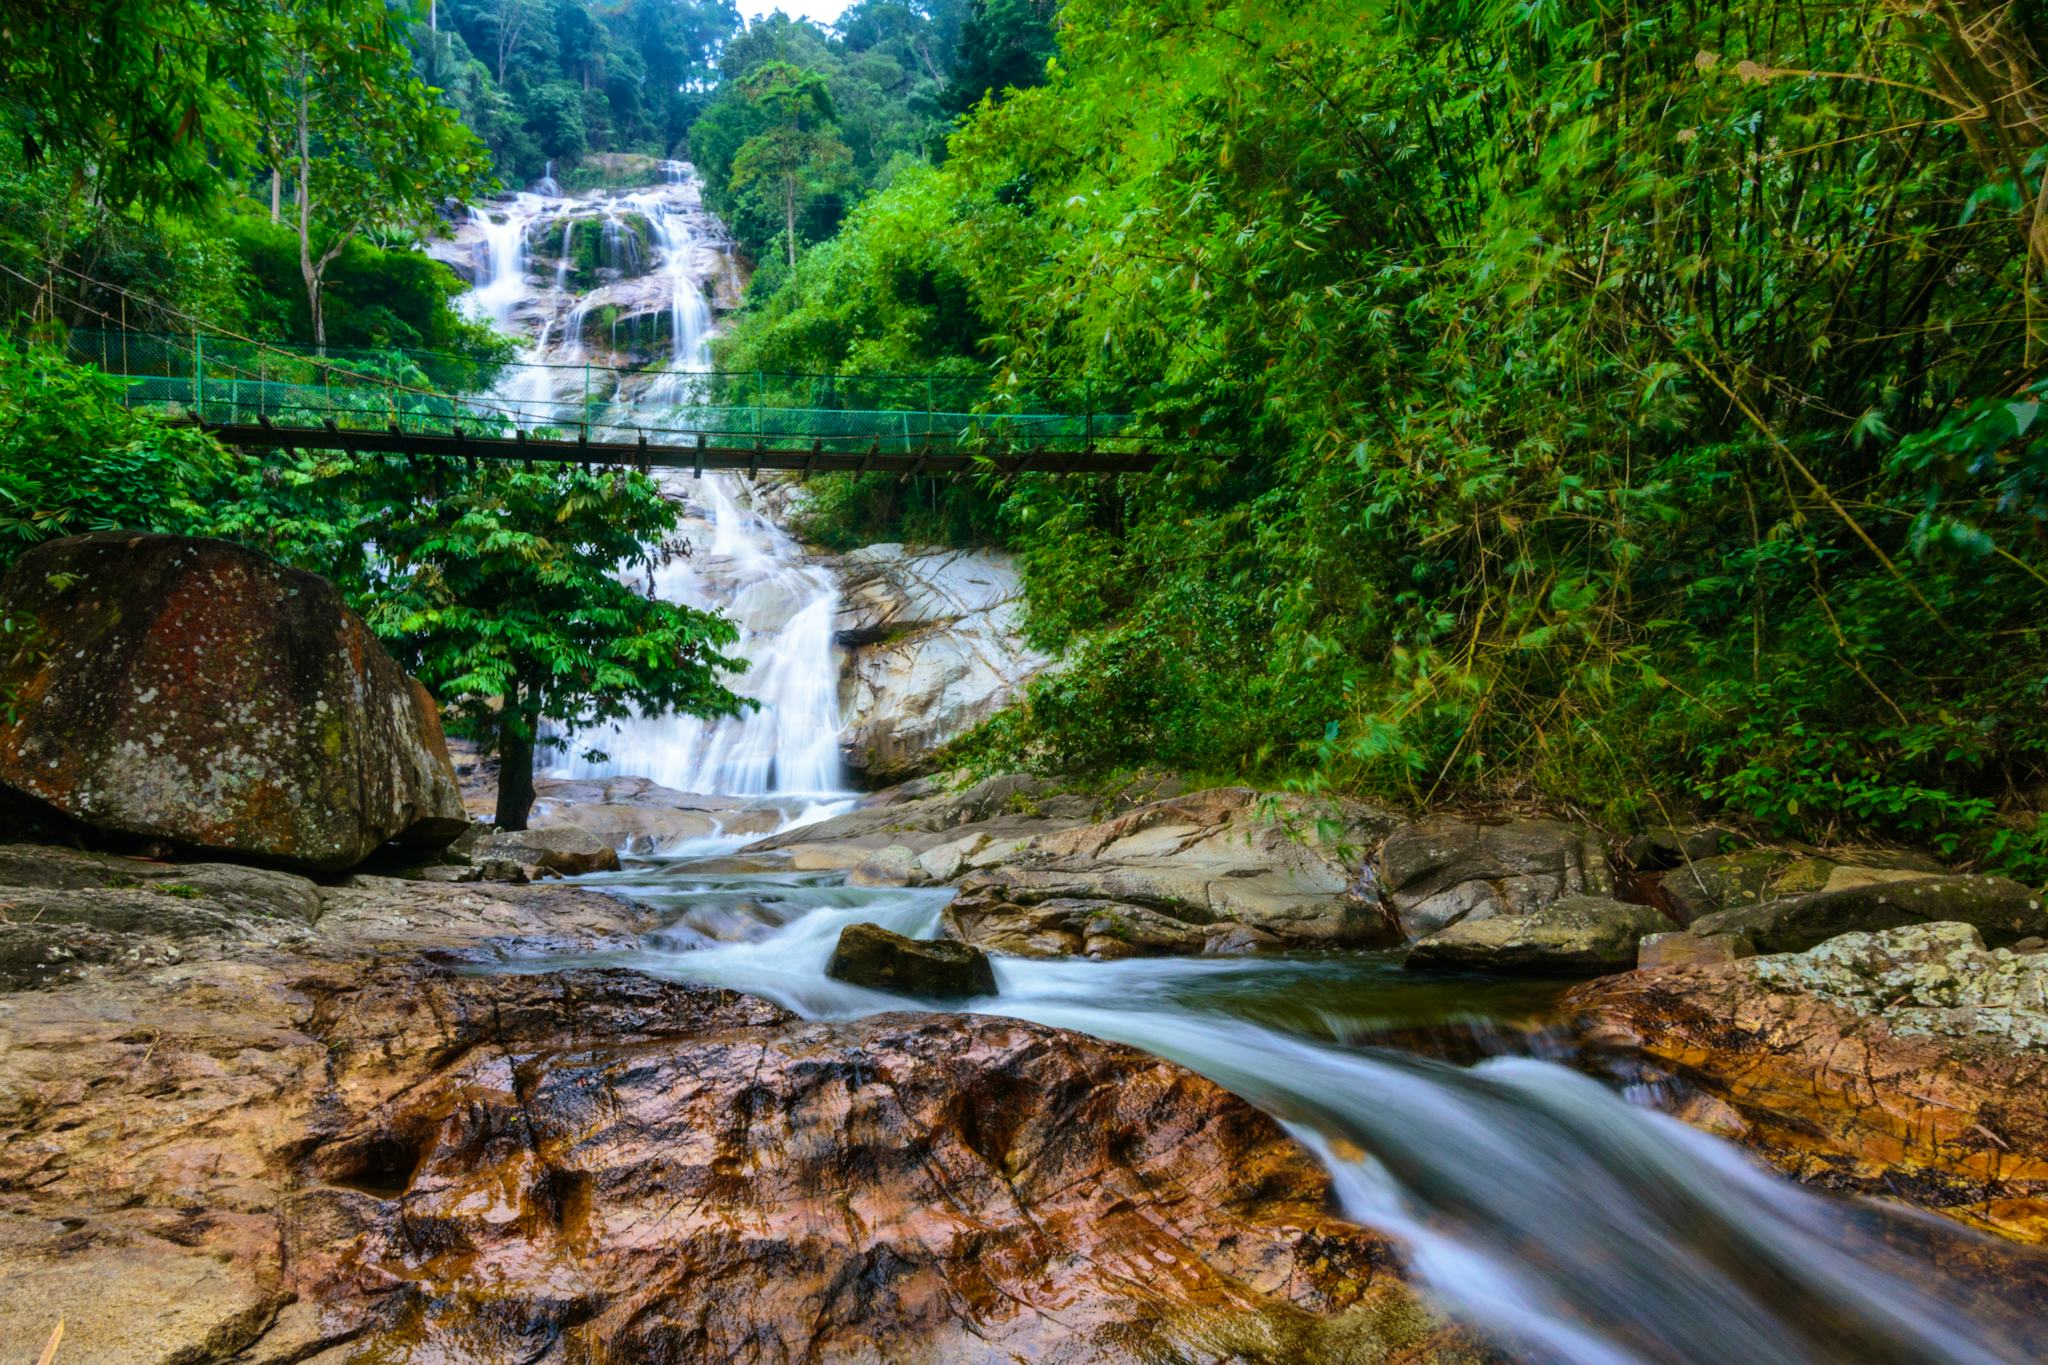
<point x="1627" y="408"/>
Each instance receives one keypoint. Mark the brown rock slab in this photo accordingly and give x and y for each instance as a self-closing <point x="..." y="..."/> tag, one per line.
<point x="326" y="1148"/>
<point x="908" y="1187"/>
<point x="1908" y="1063"/>
<point x="195" y="692"/>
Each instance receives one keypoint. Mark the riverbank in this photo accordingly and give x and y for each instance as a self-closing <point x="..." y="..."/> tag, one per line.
<point x="277" y="1120"/>
<point x="325" y="1121"/>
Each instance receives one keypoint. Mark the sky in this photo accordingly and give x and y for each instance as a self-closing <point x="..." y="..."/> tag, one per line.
<point x="824" y="11"/>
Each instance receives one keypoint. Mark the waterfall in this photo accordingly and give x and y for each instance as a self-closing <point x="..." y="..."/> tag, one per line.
<point x="501" y="283"/>
<point x="562" y="263"/>
<point x="735" y="558"/>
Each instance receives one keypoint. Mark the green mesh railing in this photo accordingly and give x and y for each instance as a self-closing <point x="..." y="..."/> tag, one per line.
<point x="237" y="383"/>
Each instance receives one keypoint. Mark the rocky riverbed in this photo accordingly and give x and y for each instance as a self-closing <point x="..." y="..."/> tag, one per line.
<point x="247" y="1116"/>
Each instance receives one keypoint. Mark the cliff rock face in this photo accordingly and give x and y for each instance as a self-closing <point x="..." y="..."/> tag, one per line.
<point x="933" y="648"/>
<point x="196" y="692"/>
<point x="1909" y="1062"/>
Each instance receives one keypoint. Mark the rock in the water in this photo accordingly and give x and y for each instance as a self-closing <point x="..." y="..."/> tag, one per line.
<point x="869" y="955"/>
<point x="985" y="820"/>
<point x="691" y="1184"/>
<point x="1447" y="869"/>
<point x="1579" y="935"/>
<point x="934" y="646"/>
<point x="271" y="1157"/>
<point x="195" y="692"/>
<point x="2001" y="909"/>
<point x="1182" y="875"/>
<point x="631" y="814"/>
<point x="1907" y="1063"/>
<point x="565" y="850"/>
<point x="891" y="866"/>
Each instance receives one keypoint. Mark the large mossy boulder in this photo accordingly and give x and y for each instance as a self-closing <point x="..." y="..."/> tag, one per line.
<point x="197" y="693"/>
<point x="869" y="955"/>
<point x="2000" y="909"/>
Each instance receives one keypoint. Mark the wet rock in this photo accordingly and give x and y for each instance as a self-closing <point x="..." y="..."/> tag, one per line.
<point x="1680" y="949"/>
<point x="63" y="911"/>
<point x="933" y="646"/>
<point x="906" y="1187"/>
<point x="1177" y="876"/>
<point x="2001" y="909"/>
<point x="633" y="814"/>
<point x="891" y="866"/>
<point x="1579" y="935"/>
<point x="1906" y="1063"/>
<point x="331" y="1151"/>
<point x="869" y="955"/>
<point x="565" y="850"/>
<point x="195" y="692"/>
<point x="38" y="955"/>
<point x="1448" y="869"/>
<point x="153" y="1093"/>
<point x="923" y="815"/>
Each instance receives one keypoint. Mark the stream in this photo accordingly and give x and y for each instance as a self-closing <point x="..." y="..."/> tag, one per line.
<point x="1553" y="1209"/>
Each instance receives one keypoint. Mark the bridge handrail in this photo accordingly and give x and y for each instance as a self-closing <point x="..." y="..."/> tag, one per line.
<point x="201" y="357"/>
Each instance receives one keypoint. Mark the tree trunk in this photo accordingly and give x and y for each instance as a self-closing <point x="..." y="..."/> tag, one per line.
<point x="307" y="270"/>
<point x="276" y="196"/>
<point x="789" y="216"/>
<point x="515" y="768"/>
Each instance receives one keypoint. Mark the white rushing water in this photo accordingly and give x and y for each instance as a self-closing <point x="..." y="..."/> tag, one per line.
<point x="728" y="556"/>
<point x="1533" y="1202"/>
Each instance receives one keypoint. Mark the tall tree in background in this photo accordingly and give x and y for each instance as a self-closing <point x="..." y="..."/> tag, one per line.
<point x="376" y="150"/>
<point x="1004" y="45"/>
<point x="799" y="154"/>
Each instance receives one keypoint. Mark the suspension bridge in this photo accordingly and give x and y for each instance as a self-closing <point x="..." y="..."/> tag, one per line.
<point x="263" y="395"/>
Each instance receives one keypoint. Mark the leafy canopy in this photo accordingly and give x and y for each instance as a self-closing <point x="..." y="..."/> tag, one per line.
<point x="1631" y="405"/>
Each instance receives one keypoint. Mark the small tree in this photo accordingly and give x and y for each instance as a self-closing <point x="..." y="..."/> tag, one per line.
<point x="499" y="588"/>
<point x="376" y="150"/>
<point x="798" y="156"/>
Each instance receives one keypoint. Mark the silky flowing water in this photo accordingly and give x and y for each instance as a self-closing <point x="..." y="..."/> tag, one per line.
<point x="1544" y="1206"/>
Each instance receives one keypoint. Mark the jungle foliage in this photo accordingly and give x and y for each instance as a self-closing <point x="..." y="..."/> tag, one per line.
<point x="805" y="121"/>
<point x="1631" y="406"/>
<point x="550" y="80"/>
<point x="498" y="586"/>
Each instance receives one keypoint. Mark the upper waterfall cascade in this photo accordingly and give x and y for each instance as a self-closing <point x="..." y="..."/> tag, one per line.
<point x="658" y="252"/>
